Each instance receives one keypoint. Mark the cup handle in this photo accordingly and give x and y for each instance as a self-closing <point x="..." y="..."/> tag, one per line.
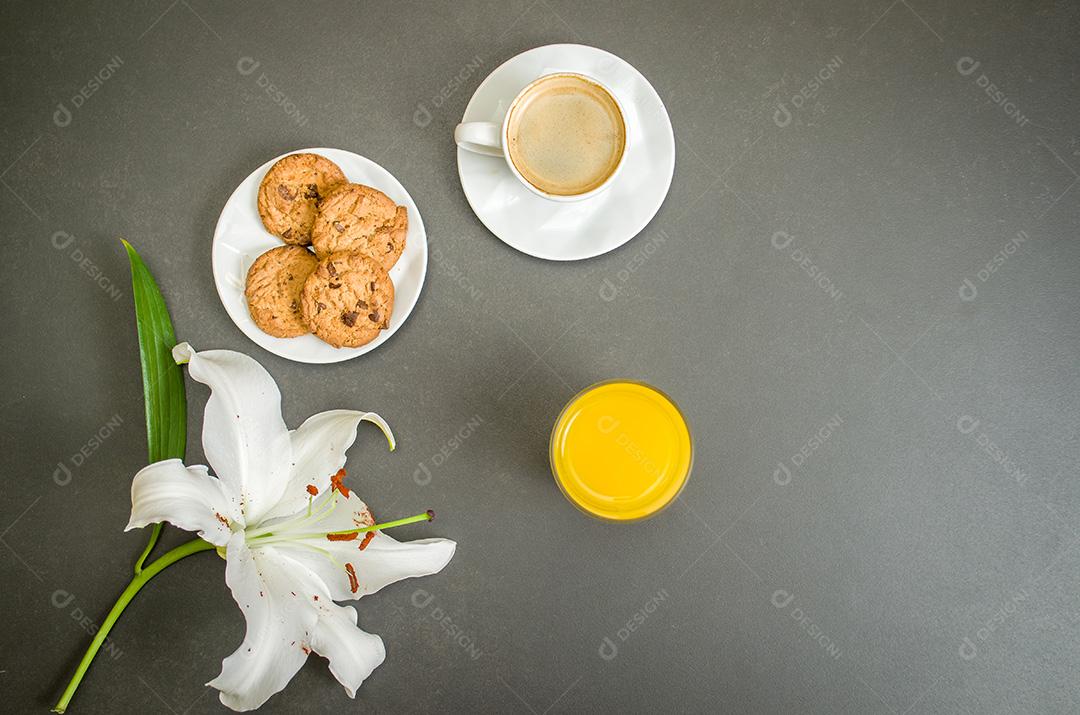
<point x="480" y="137"/>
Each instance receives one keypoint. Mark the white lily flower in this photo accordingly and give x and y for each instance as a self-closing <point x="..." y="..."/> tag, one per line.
<point x="274" y="507"/>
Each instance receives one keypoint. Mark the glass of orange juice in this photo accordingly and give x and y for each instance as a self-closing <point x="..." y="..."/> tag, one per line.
<point x="621" y="450"/>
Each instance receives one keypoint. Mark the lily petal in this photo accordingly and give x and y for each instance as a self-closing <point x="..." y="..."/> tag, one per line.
<point x="318" y="452"/>
<point x="187" y="497"/>
<point x="352" y="652"/>
<point x="244" y="437"/>
<point x="386" y="560"/>
<point x="278" y="601"/>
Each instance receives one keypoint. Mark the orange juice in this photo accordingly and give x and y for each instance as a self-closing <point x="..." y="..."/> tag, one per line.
<point x="621" y="450"/>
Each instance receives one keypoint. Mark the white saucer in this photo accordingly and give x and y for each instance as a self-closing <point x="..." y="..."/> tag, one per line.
<point x="582" y="229"/>
<point x="240" y="238"/>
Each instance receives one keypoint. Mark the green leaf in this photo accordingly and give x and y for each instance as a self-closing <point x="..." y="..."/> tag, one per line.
<point x="163" y="379"/>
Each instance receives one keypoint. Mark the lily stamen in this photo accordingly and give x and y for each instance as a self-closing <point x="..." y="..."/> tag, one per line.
<point x="336" y="483"/>
<point x="278" y="537"/>
<point x="318" y="514"/>
<point x="348" y="535"/>
<point x="428" y="515"/>
<point x="342" y="537"/>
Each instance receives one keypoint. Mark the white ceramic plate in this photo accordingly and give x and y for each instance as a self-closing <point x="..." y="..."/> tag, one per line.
<point x="240" y="238"/>
<point x="581" y="229"/>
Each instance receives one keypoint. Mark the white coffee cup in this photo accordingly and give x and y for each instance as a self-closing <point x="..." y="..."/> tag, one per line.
<point x="492" y="139"/>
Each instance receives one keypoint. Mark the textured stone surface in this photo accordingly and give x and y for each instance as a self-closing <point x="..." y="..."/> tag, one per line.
<point x="866" y="272"/>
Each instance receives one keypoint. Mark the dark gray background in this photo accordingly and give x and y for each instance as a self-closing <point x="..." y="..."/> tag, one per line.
<point x="905" y="567"/>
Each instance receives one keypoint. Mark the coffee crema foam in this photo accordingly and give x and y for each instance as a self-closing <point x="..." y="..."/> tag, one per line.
<point x="566" y="135"/>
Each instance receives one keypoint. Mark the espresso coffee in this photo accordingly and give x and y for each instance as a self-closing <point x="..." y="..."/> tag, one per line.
<point x="566" y="135"/>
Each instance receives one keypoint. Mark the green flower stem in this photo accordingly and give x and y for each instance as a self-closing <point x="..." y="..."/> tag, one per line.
<point x="154" y="534"/>
<point x="187" y="549"/>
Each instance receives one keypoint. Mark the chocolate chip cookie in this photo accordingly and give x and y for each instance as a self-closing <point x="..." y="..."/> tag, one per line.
<point x="348" y="299"/>
<point x="274" y="282"/>
<point x="355" y="217"/>
<point x="290" y="192"/>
